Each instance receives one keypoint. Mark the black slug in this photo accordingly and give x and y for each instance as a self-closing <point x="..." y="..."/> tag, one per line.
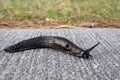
<point x="52" y="42"/>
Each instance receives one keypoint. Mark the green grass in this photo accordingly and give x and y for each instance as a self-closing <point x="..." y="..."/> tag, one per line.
<point x="83" y="10"/>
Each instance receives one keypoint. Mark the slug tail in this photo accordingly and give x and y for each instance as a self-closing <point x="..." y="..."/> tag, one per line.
<point x="9" y="49"/>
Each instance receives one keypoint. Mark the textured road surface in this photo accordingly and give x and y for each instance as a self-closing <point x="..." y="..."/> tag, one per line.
<point x="47" y="64"/>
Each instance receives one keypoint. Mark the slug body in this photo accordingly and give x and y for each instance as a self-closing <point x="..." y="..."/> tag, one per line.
<point x="52" y="42"/>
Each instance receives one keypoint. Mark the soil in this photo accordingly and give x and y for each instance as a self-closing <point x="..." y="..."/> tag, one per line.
<point x="11" y="22"/>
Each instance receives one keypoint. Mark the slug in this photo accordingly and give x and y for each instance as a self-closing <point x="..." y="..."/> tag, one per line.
<point x="51" y="42"/>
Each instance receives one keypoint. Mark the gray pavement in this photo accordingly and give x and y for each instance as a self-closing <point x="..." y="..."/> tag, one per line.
<point x="47" y="64"/>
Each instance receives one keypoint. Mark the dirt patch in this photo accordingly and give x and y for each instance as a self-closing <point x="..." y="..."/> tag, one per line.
<point x="11" y="22"/>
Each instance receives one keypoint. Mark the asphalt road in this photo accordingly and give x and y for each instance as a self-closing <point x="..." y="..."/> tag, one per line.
<point x="47" y="64"/>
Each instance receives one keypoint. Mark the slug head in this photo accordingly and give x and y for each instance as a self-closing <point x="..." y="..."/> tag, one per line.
<point x="86" y="53"/>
